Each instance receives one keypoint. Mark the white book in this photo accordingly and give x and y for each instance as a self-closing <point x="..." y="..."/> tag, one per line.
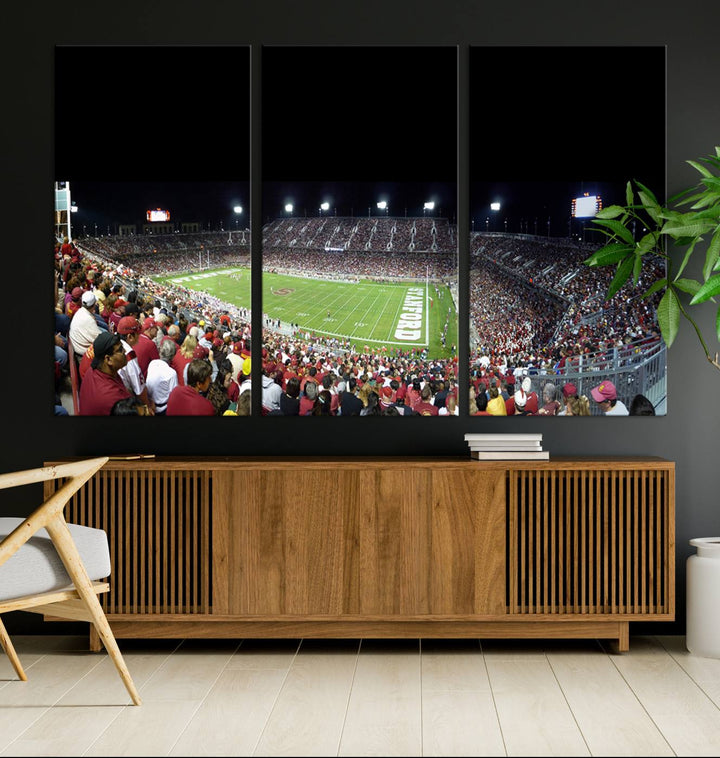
<point x="502" y="437"/>
<point x="519" y="446"/>
<point x="510" y="455"/>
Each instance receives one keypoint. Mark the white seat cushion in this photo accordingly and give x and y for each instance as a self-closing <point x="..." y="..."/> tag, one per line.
<point x="36" y="567"/>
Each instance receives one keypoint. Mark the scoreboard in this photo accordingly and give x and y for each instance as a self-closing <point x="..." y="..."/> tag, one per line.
<point x="586" y="206"/>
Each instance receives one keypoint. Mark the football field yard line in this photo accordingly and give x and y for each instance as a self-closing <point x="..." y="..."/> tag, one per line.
<point x="326" y="304"/>
<point x="369" y="309"/>
<point x="395" y="318"/>
<point x="377" y="320"/>
<point x="427" y="310"/>
<point x="372" y="295"/>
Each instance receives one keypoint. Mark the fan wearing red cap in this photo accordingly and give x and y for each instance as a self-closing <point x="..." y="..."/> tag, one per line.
<point x="569" y="393"/>
<point x="74" y="303"/>
<point x="132" y="375"/>
<point x="605" y="395"/>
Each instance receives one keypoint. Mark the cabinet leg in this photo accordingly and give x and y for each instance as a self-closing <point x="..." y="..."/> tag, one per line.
<point x="622" y="643"/>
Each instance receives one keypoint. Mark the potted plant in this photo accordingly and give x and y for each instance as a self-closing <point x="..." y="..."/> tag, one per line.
<point x="684" y="230"/>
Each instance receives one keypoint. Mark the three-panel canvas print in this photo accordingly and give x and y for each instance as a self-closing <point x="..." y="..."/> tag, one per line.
<point x="404" y="261"/>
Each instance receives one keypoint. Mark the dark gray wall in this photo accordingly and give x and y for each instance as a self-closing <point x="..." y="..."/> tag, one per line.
<point x="688" y="435"/>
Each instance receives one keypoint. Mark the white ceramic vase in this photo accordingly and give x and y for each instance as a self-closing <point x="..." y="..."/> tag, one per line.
<point x="702" y="634"/>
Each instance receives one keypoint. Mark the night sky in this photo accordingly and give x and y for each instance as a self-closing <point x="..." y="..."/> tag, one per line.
<point x="147" y="127"/>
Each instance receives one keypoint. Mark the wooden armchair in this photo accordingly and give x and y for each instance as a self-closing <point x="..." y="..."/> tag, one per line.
<point x="49" y="566"/>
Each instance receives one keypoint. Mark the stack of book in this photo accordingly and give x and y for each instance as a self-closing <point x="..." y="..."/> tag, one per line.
<point x="501" y="447"/>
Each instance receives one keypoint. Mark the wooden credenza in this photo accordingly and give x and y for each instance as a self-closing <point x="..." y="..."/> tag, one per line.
<point x="384" y="547"/>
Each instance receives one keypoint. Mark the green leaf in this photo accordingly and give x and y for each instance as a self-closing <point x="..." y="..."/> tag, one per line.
<point x="712" y="181"/>
<point x="708" y="290"/>
<point x="608" y="254"/>
<point x="668" y="313"/>
<point x="687" y="285"/>
<point x="650" y="203"/>
<point x="647" y="243"/>
<point x="686" y="228"/>
<point x="706" y="199"/>
<point x="624" y="270"/>
<point x="717" y="325"/>
<point x="712" y="255"/>
<point x="688" y="198"/>
<point x="628" y="194"/>
<point x="617" y="228"/>
<point x="648" y="192"/>
<point x="688" y="253"/>
<point x="637" y="268"/>
<point x="612" y="211"/>
<point x="699" y="167"/>
<point x="654" y="287"/>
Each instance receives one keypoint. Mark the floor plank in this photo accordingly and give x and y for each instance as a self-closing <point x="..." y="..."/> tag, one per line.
<point x="232" y="717"/>
<point x="611" y="718"/>
<point x="384" y="712"/>
<point x="686" y="716"/>
<point x="148" y="730"/>
<point x="309" y="714"/>
<point x="534" y="716"/>
<point x="458" y="709"/>
<point x="705" y="672"/>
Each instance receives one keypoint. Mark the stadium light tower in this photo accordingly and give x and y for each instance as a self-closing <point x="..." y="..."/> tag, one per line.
<point x="237" y="210"/>
<point x="324" y="207"/>
<point x="289" y="209"/>
<point x="429" y="206"/>
<point x="495" y="208"/>
<point x="383" y="206"/>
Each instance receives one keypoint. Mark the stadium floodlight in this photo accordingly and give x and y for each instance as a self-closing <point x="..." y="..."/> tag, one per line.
<point x="324" y="206"/>
<point x="382" y="205"/>
<point x="289" y="208"/>
<point x="237" y="210"/>
<point x="429" y="206"/>
<point x="494" y="206"/>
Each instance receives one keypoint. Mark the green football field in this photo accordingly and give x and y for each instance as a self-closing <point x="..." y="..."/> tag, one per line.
<point x="400" y="316"/>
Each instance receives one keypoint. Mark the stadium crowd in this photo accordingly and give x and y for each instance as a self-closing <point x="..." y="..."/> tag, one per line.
<point x="359" y="233"/>
<point x="535" y="311"/>
<point x="535" y="307"/>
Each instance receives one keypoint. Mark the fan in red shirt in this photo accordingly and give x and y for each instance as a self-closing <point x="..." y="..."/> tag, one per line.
<point x="188" y="399"/>
<point x="426" y="407"/>
<point x="102" y="386"/>
<point x="145" y="348"/>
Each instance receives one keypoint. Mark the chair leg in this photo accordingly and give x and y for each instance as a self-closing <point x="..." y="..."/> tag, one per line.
<point x="7" y="646"/>
<point x="68" y="552"/>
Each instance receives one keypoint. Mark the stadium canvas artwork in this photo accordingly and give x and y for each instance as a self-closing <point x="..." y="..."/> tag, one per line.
<point x="151" y="237"/>
<point x="356" y="276"/>
<point x="359" y="244"/>
<point x="555" y="136"/>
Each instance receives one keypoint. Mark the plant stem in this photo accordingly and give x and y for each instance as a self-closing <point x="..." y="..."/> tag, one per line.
<point x="714" y="362"/>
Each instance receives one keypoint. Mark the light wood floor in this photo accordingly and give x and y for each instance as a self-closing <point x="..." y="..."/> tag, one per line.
<point x="357" y="698"/>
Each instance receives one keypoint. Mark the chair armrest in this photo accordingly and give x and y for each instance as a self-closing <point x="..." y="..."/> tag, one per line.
<point x="77" y="474"/>
<point x="44" y="474"/>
